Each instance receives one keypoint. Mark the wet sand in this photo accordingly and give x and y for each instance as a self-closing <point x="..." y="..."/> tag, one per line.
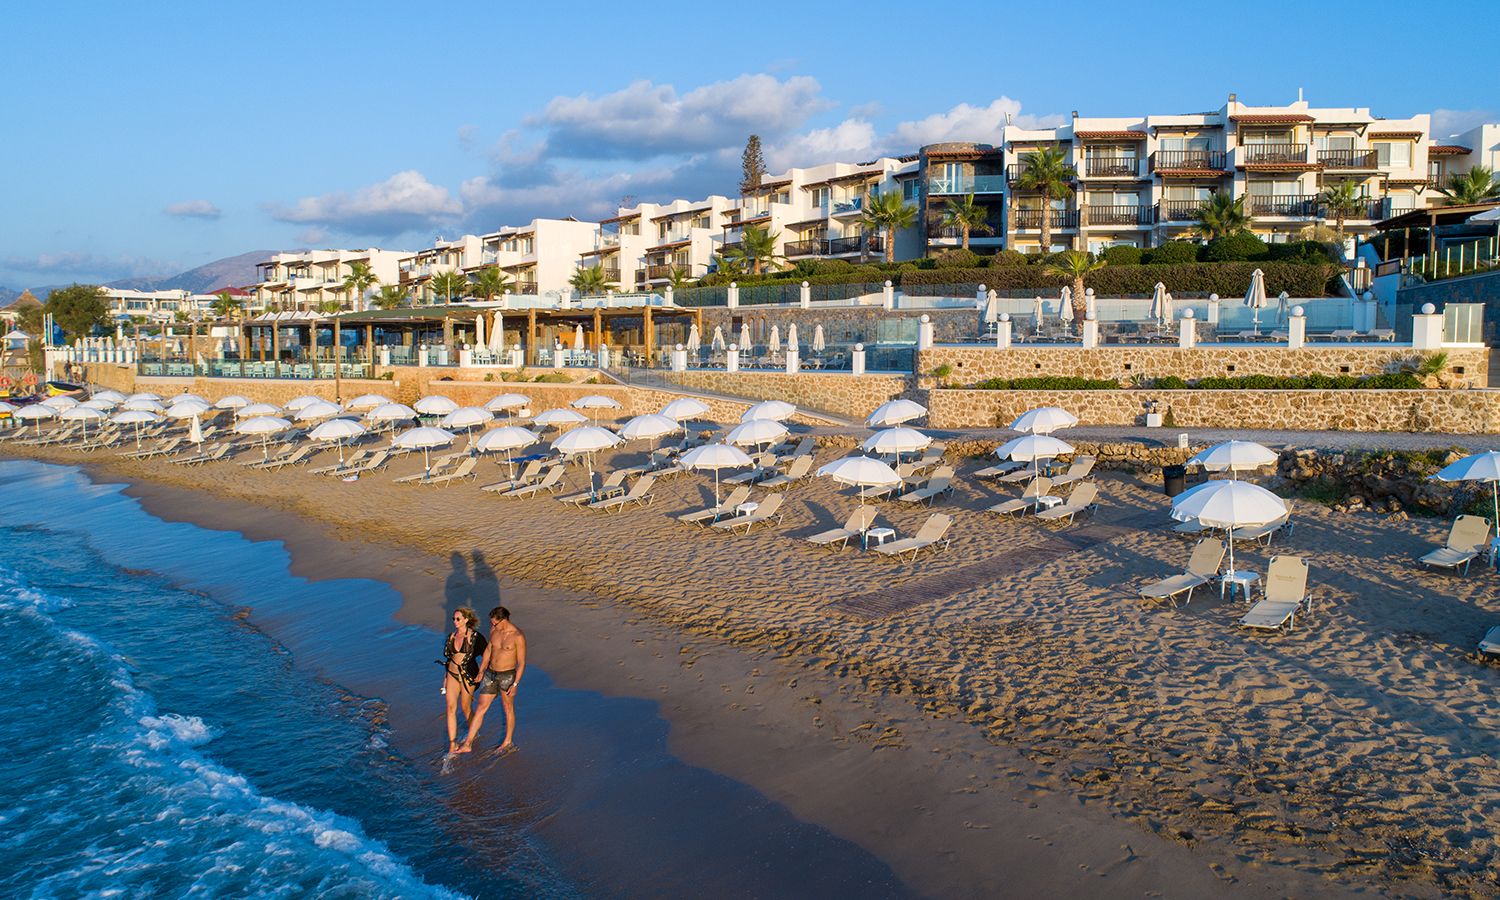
<point x="1010" y="721"/>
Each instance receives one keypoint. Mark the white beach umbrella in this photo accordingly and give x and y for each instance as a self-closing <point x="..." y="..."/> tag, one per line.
<point x="497" y="334"/>
<point x="684" y="409"/>
<point x="1033" y="448"/>
<point x="1481" y="467"/>
<point x="506" y="402"/>
<point x="818" y="343"/>
<point x="779" y="410"/>
<point x="319" y="410"/>
<point x="114" y="397"/>
<point x="558" y="418"/>
<point x="264" y="426"/>
<point x="718" y="341"/>
<point x="391" y="412"/>
<point x="479" y="330"/>
<point x="1159" y="303"/>
<point x="144" y="405"/>
<point x="1065" y="306"/>
<point x="367" y="402"/>
<point x="577" y="337"/>
<point x="896" y="441"/>
<point x="1282" y="301"/>
<point x="81" y="413"/>
<point x="774" y="344"/>
<point x="423" y="439"/>
<point x="792" y="345"/>
<point x="745" y="343"/>
<point x="895" y="412"/>
<point x="195" y="430"/>
<point x="1234" y="456"/>
<point x="467" y="418"/>
<point x="61" y="402"/>
<point x="650" y="426"/>
<point x="595" y="402"/>
<point x="187" y="409"/>
<point x="1044" y="420"/>
<point x="861" y="472"/>
<point x="756" y="432"/>
<point x="136" y="417"/>
<point x="11" y="407"/>
<point x="1038" y="313"/>
<point x="1255" y="296"/>
<point x="991" y="307"/>
<point x="296" y="403"/>
<point x="144" y="395"/>
<point x="694" y="339"/>
<point x="435" y="405"/>
<point x="35" y="413"/>
<point x="338" y="430"/>
<point x="185" y="395"/>
<point x="585" y="442"/>
<point x="506" y="439"/>
<point x="713" y="458"/>
<point x="233" y="401"/>
<point x="1228" y="505"/>
<point x="100" y="404"/>
<point x="256" y="409"/>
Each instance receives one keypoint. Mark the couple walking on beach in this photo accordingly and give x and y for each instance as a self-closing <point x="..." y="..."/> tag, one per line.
<point x="494" y="667"/>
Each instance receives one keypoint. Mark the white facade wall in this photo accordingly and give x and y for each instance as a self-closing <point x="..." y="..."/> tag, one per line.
<point x="310" y="279"/>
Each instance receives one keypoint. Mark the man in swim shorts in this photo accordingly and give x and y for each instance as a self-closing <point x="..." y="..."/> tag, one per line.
<point x="501" y="668"/>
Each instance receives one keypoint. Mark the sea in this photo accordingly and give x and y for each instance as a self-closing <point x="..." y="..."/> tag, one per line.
<point x="181" y="716"/>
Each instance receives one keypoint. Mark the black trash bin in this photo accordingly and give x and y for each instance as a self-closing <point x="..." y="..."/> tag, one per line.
<point x="1173" y="480"/>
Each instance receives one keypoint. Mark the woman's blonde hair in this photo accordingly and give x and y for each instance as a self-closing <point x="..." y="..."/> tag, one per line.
<point x="470" y="617"/>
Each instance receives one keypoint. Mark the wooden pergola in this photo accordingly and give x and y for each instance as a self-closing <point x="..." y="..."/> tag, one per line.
<point x="1429" y="218"/>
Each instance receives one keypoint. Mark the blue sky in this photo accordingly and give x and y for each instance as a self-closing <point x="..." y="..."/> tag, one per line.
<point x="149" y="138"/>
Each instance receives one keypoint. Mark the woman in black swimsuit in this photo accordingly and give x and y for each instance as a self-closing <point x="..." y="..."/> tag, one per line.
<point x="461" y="655"/>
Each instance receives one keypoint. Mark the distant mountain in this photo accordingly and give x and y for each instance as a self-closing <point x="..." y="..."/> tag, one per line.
<point x="7" y="295"/>
<point x="232" y="270"/>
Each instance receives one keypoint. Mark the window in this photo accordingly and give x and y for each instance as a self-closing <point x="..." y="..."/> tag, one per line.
<point x="1393" y="154"/>
<point x="1113" y="198"/>
<point x="1335" y="142"/>
<point x="662" y="230"/>
<point x="818" y="195"/>
<point x="1278" y="187"/>
<point x="911" y="190"/>
<point x="1268" y="137"/>
<point x="1195" y="193"/>
<point x="1184" y="143"/>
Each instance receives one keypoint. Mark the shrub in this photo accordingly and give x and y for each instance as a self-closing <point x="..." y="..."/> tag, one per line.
<point x="957" y="259"/>
<point x="1389" y="381"/>
<point x="942" y="371"/>
<point x="1173" y="253"/>
<point x="553" y="378"/>
<point x="1170" y="383"/>
<point x="1049" y="383"/>
<point x="1224" y="279"/>
<point x="1008" y="258"/>
<point x="830" y="267"/>
<point x="1122" y="256"/>
<point x="1235" y="248"/>
<point x="1301" y="251"/>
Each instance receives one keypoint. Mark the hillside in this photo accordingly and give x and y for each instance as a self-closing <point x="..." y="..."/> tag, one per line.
<point x="233" y="270"/>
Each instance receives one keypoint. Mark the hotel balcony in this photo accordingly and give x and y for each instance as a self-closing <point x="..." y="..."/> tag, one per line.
<point x="659" y="271"/>
<point x="832" y="246"/>
<point x="1184" y="211"/>
<point x="1296" y="206"/>
<point x="1032" y="218"/>
<point x="612" y="273"/>
<point x="1118" y="215"/>
<point x="1112" y="167"/>
<point x="1273" y="155"/>
<point x="525" y="287"/>
<point x="811" y="247"/>
<point x="1014" y="171"/>
<point x="967" y="184"/>
<point x="849" y="207"/>
<point x="1347" y="159"/>
<point x="1187" y="161"/>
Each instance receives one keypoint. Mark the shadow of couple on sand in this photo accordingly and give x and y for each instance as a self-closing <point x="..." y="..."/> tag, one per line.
<point x="471" y="582"/>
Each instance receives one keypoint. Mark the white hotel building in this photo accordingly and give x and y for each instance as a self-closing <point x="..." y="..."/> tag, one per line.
<point x="307" y="280"/>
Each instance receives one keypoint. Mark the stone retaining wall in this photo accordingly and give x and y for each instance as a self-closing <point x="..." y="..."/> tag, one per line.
<point x="1468" y="367"/>
<point x="839" y="393"/>
<point x="1458" y="412"/>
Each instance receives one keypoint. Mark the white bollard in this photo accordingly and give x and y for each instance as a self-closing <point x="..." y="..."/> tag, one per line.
<point x="924" y="333"/>
<point x="982" y="295"/>
<point x="679" y="359"/>
<point x="1187" y="331"/>
<point x="888" y="296"/>
<point x="733" y="295"/>
<point x="667" y="294"/>
<point x="1090" y="334"/>
<point x="1427" y="329"/>
<point x="1296" y="329"/>
<point x="385" y="356"/>
<point x="857" y="360"/>
<point x="465" y="358"/>
<point x="1213" y="309"/>
<point x="1002" y="332"/>
<point x="804" y="296"/>
<point x="422" y="356"/>
<point x="505" y="299"/>
<point x="732" y="359"/>
<point x="791" y="362"/>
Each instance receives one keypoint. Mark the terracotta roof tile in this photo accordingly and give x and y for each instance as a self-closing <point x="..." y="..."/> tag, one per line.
<point x="1447" y="150"/>
<point x="1416" y="135"/>
<point x="1110" y="135"/>
<point x="1272" y="119"/>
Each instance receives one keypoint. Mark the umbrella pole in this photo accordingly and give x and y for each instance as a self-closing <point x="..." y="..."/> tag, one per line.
<point x="716" y="487"/>
<point x="1231" y="550"/>
<point x="1495" y="489"/>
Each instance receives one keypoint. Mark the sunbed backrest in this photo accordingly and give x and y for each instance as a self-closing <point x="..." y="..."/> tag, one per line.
<point x="939" y="483"/>
<point x="769" y="505"/>
<point x="1206" y="558"/>
<point x="1286" y="579"/>
<point x="1082" y="465"/>
<point x="1084" y="494"/>
<point x="1038" y="487"/>
<point x="934" y="528"/>
<point x="942" y="472"/>
<point x="799" y="467"/>
<point x="1469" y="533"/>
<point x="641" y="486"/>
<point x="861" y="519"/>
<point x="736" y="497"/>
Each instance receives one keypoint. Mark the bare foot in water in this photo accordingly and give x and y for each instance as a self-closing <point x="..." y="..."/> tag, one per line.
<point x="504" y="747"/>
<point x="463" y="748"/>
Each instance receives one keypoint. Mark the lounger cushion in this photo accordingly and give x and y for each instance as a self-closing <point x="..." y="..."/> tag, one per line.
<point x="1491" y="642"/>
<point x="1447" y="557"/>
<point x="1270" y="614"/>
<point x="1171" y="587"/>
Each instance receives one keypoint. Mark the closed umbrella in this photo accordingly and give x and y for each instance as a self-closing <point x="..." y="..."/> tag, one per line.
<point x="818" y="343"/>
<point x="1065" y="306"/>
<point x="861" y="472"/>
<point x="896" y="441"/>
<point x="1168" y="307"/>
<point x="195" y="431"/>
<point x="233" y="401"/>
<point x="136" y="417"/>
<point x="1044" y="420"/>
<point x="595" y="402"/>
<point x="557" y="418"/>
<point x="792" y="345"/>
<point x="479" y="330"/>
<point x="435" y="405"/>
<point x="778" y="410"/>
<point x="1234" y="456"/>
<point x="1038" y="314"/>
<point x="507" y="402"/>
<point x="1228" y="505"/>
<point x="577" y="337"/>
<point x="1255" y="296"/>
<point x="895" y="412"/>
<point x="991" y="308"/>
<point x="318" y="410"/>
<point x="423" y="439"/>
<point x="264" y="426"/>
<point x="296" y="403"/>
<point x="497" y="335"/>
<point x="506" y="439"/>
<point x="256" y="409"/>
<point x="745" y="343"/>
<point x="712" y="458"/>
<point x="337" y="430"/>
<point x="1281" y="305"/>
<point x="685" y="409"/>
<point x="1033" y="448"/>
<point x="1159" y="302"/>
<point x="1481" y="467"/>
<point x="774" y="344"/>
<point x="756" y="432"/>
<point x="718" y="341"/>
<point x="694" y="339"/>
<point x="367" y="402"/>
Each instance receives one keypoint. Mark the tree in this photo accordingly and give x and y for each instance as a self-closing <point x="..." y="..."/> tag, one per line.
<point x="360" y="279"/>
<point x="888" y="212"/>
<point x="450" y="284"/>
<point x="679" y="278"/>
<point x="753" y="166"/>
<point x="329" y="307"/>
<point x="1076" y="265"/>
<point x="728" y="264"/>
<point x="757" y="249"/>
<point x="1341" y="201"/>
<point x="391" y="296"/>
<point x="1221" y="216"/>
<point x="226" y="305"/>
<point x="967" y="216"/>
<point x="78" y="309"/>
<point x="1048" y="173"/>
<point x="590" y="281"/>
<point x="1478" y="185"/>
<point x="491" y="281"/>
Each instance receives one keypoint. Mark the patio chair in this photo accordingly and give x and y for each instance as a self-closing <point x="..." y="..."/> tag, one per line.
<point x="1084" y="498"/>
<point x="1082" y="467"/>
<point x="797" y="471"/>
<point x="612" y="485"/>
<point x="714" y="513"/>
<point x="550" y="482"/>
<point x="937" y="486"/>
<point x="769" y="508"/>
<point x="1202" y="568"/>
<point x="1285" y="595"/>
<point x="1466" y="540"/>
<point x="859" y="522"/>
<point x="1029" y="499"/>
<point x="639" y="494"/>
<point x="932" y="534"/>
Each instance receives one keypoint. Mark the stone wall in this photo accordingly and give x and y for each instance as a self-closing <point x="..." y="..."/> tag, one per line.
<point x="1459" y="412"/>
<point x="1468" y="367"/>
<point x="839" y="393"/>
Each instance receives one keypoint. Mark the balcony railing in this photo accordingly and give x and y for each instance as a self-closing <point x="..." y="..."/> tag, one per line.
<point x="1032" y="218"/>
<point x="846" y="207"/>
<point x="1295" y="205"/>
<point x="1255" y="154"/>
<point x="1112" y="166"/>
<point x="1178" y="210"/>
<point x="803" y="248"/>
<point x="525" y="287"/>
<point x="832" y="246"/>
<point x="967" y="184"/>
<point x="1118" y="215"/>
<point x="1347" y="159"/>
<point x="612" y="273"/>
<point x="659" y="271"/>
<point x="1014" y="172"/>
<point x="1178" y="160"/>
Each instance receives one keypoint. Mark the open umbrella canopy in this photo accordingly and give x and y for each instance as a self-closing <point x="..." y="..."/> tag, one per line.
<point x="185" y="395"/>
<point x="81" y="413"/>
<point x="713" y="458"/>
<point x="510" y="437"/>
<point x="187" y="409"/>
<point x="506" y="401"/>
<point x="1044" y="420"/>
<point x="296" y="403"/>
<point x="1033" y="447"/>
<point x="1481" y="467"/>
<point x="467" y="417"/>
<point x="1234" y="456"/>
<point x="391" y="412"/>
<point x="318" y="410"/>
<point x="367" y="402"/>
<point x="11" y="407"/>
<point x="424" y="438"/>
<point x="256" y="409"/>
<point x="756" y="432"/>
<point x="34" y="412"/>
<point x="60" y="402"/>
<point x="435" y="405"/>
<point x="135" y="417"/>
<point x="114" y="397"/>
<point x="233" y="401"/>
<point x="1228" y="505"/>
<point x="861" y="472"/>
<point x="261" y="425"/>
<point x="337" y="430"/>
<point x="595" y="401"/>
<point x="895" y="412"/>
<point x="559" y="417"/>
<point x="685" y="408"/>
<point x="777" y="410"/>
<point x="100" y="404"/>
<point x="146" y="405"/>
<point x="144" y="395"/>
<point x="895" y="440"/>
<point x="588" y="439"/>
<point x="649" y="427"/>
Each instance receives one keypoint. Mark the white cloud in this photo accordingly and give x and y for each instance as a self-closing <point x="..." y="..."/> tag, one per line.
<point x="983" y="124"/>
<point x="193" y="209"/>
<point x="88" y="265"/>
<point x="402" y="202"/>
<point x="312" y="236"/>
<point x="852" y="140"/>
<point x="1447" y="123"/>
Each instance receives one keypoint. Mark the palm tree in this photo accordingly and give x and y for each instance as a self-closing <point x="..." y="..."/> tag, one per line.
<point x="1076" y="265"/>
<point x="491" y="281"/>
<point x="727" y="264"/>
<point x="1341" y="201"/>
<point x="1048" y="173"/>
<point x="1222" y="215"/>
<point x="889" y="212"/>
<point x="590" y="280"/>
<point x="359" y="280"/>
<point x="391" y="296"/>
<point x="757" y="249"/>
<point x="967" y="216"/>
<point x="679" y="277"/>
<point x="226" y="305"/>
<point x="1478" y="185"/>
<point x="450" y="283"/>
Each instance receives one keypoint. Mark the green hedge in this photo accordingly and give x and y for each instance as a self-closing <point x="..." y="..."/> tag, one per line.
<point x="1390" y="381"/>
<point x="1228" y="280"/>
<point x="1049" y="383"/>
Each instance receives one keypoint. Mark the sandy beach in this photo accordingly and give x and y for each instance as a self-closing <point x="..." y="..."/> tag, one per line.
<point x="1001" y="719"/>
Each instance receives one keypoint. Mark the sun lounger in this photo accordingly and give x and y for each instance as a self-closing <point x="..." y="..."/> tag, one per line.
<point x="769" y="508"/>
<point x="161" y="449"/>
<point x="1490" y="645"/>
<point x="612" y="485"/>
<point x="465" y="469"/>
<point x="530" y="472"/>
<point x="764" y="467"/>
<point x="857" y="525"/>
<point x="1466" y="540"/>
<point x="640" y="493"/>
<point x="550" y="482"/>
<point x="301" y="455"/>
<point x="1202" y="567"/>
<point x="1029" y="499"/>
<point x="999" y="469"/>
<point x="1264" y="533"/>
<point x="928" y="493"/>
<point x="718" y="511"/>
<point x="798" y="470"/>
<point x="374" y="463"/>
<point x="932" y="533"/>
<point x="1083" y="498"/>
<point x="1082" y="467"/>
<point x="349" y="461"/>
<point x="1286" y="594"/>
<point x="214" y="454"/>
